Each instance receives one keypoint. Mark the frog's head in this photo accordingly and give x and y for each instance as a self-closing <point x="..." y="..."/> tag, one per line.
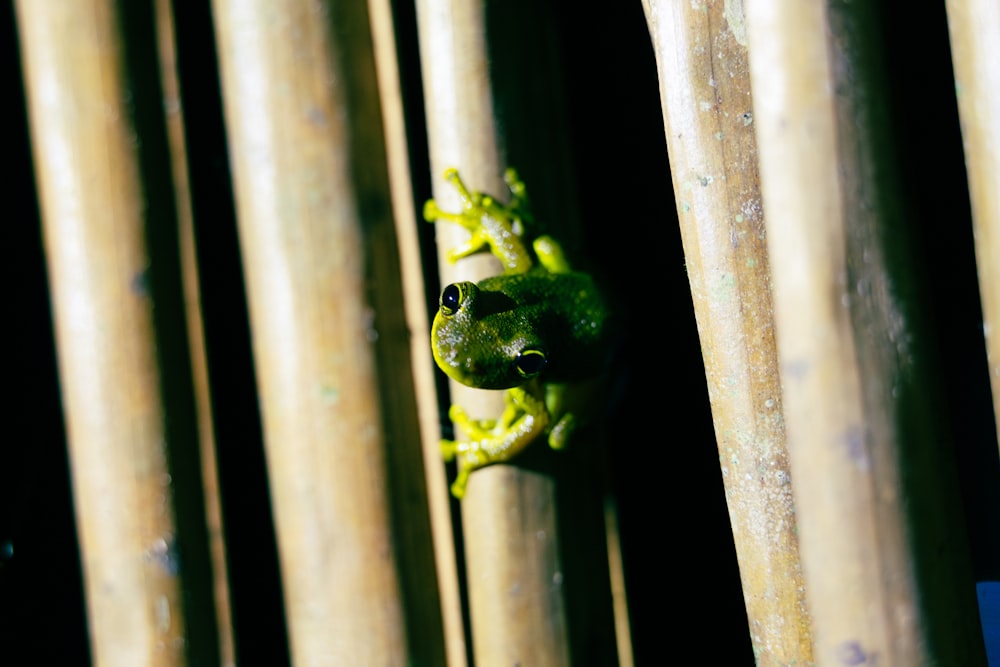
<point x="485" y="339"/>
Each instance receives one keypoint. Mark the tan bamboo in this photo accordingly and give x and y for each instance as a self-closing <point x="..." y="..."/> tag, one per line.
<point x="975" y="35"/>
<point x="172" y="101"/>
<point x="323" y="286"/>
<point x="508" y="513"/>
<point x="619" y="594"/>
<point x="93" y="209"/>
<point x="886" y="578"/>
<point x="701" y="54"/>
<point x="418" y="323"/>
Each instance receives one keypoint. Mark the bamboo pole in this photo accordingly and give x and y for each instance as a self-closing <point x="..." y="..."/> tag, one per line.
<point x="882" y="549"/>
<point x="509" y="522"/>
<point x="418" y="323"/>
<point x="172" y="100"/>
<point x="94" y="212"/>
<point x="975" y="33"/>
<point x="704" y="78"/>
<point x="325" y="304"/>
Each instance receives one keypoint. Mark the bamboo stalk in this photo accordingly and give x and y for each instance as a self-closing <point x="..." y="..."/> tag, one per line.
<point x="975" y="33"/>
<point x="324" y="294"/>
<point x="509" y="523"/>
<point x="166" y="38"/>
<point x="882" y="549"/>
<point x="414" y="288"/>
<point x="707" y="112"/>
<point x="94" y="213"/>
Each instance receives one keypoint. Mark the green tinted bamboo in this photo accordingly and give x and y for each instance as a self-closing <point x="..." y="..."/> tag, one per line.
<point x="508" y="513"/>
<point x="172" y="102"/>
<point x="882" y="557"/>
<point x="975" y="48"/>
<point x="93" y="209"/>
<point x="704" y="77"/>
<point x="414" y="289"/>
<point x="329" y="337"/>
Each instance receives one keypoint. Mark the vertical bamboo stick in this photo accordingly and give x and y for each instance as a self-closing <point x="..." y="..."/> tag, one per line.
<point x="508" y="513"/>
<point x="882" y="558"/>
<point x="414" y="288"/>
<point x="166" y="38"/>
<point x="86" y="158"/>
<point x="708" y="112"/>
<point x="975" y="35"/>
<point x="324" y="295"/>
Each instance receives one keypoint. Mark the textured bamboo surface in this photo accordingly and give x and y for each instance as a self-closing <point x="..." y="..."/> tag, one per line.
<point x="704" y="75"/>
<point x="172" y="102"/>
<point x="975" y="45"/>
<point x="329" y="337"/>
<point x="883" y="561"/>
<point x="94" y="220"/>
<point x="414" y="296"/>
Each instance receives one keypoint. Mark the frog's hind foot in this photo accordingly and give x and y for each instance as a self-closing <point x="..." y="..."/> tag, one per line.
<point x="491" y="224"/>
<point x="448" y="450"/>
<point x="433" y="213"/>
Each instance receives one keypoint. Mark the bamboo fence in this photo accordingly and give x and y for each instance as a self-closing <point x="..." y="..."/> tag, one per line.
<point x="831" y="445"/>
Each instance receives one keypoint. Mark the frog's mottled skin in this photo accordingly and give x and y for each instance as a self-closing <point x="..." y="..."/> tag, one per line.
<point x="533" y="330"/>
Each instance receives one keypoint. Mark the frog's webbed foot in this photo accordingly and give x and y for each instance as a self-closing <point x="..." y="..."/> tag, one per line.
<point x="490" y="224"/>
<point x="495" y="440"/>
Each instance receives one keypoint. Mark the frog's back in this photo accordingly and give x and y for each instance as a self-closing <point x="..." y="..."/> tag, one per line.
<point x="569" y="312"/>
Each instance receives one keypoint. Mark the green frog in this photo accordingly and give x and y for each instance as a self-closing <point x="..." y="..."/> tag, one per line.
<point x="538" y="330"/>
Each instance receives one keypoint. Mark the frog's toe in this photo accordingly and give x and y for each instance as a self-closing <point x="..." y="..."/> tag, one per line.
<point x="431" y="211"/>
<point x="560" y="434"/>
<point x="458" y="486"/>
<point x="448" y="450"/>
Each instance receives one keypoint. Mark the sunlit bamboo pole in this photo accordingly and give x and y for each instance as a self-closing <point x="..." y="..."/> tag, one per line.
<point x="86" y="159"/>
<point x="166" y="38"/>
<point x="975" y="46"/>
<point x="883" y="559"/>
<point x="701" y="54"/>
<point x="321" y="262"/>
<point x="414" y="294"/>
<point x="508" y="513"/>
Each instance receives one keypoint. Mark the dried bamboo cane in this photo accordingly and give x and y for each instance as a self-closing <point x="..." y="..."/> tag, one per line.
<point x="166" y="38"/>
<point x="508" y="512"/>
<point x="329" y="333"/>
<point x="94" y="213"/>
<point x="975" y="34"/>
<point x="882" y="550"/>
<point x="414" y="288"/>
<point x="708" y="115"/>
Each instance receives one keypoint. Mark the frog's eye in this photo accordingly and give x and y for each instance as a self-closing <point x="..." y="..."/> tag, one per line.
<point x="530" y="363"/>
<point x="451" y="299"/>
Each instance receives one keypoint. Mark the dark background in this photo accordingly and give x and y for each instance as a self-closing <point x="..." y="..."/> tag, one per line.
<point x="677" y="545"/>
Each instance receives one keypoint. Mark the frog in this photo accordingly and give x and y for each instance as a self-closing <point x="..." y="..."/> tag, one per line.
<point x="538" y="330"/>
